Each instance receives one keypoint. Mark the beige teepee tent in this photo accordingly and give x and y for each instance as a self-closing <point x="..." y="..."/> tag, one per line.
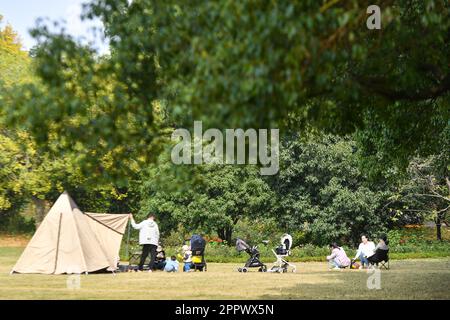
<point x="69" y="241"/>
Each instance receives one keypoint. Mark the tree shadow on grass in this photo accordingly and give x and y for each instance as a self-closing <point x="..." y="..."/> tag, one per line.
<point x="424" y="280"/>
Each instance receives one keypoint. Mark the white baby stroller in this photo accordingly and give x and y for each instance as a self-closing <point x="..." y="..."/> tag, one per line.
<point x="282" y="252"/>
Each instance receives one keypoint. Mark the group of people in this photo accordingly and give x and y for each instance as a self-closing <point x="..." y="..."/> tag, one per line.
<point x="366" y="253"/>
<point x="149" y="240"/>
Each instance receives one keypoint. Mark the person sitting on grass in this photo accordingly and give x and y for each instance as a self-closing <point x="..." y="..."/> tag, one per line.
<point x="171" y="265"/>
<point x="160" y="262"/>
<point x="338" y="258"/>
<point x="366" y="249"/>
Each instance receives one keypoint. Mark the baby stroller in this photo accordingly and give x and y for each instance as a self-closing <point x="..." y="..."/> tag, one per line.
<point x="198" y="245"/>
<point x="281" y="252"/>
<point x="253" y="261"/>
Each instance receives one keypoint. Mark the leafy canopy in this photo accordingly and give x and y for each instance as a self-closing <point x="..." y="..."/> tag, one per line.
<point x="290" y="64"/>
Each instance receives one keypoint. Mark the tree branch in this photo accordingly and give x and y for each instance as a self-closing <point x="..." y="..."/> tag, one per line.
<point x="443" y="210"/>
<point x="432" y="196"/>
<point x="328" y="5"/>
<point x="378" y="86"/>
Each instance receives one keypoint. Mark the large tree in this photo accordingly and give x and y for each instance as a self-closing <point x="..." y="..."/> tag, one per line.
<point x="36" y="175"/>
<point x="214" y="203"/>
<point x="322" y="191"/>
<point x="425" y="192"/>
<point x="14" y="69"/>
<point x="249" y="64"/>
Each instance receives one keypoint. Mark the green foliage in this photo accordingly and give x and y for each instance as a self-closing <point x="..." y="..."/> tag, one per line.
<point x="257" y="230"/>
<point x="97" y="125"/>
<point x="221" y="197"/>
<point x="244" y="64"/>
<point x="424" y="194"/>
<point x="322" y="192"/>
<point x="96" y="109"/>
<point x="15" y="65"/>
<point x="28" y="172"/>
<point x="16" y="224"/>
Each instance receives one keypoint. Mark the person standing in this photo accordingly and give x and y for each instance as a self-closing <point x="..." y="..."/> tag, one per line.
<point x="148" y="239"/>
<point x="366" y="249"/>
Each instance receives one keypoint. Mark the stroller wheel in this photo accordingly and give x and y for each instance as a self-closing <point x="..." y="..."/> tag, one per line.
<point x="239" y="269"/>
<point x="244" y="270"/>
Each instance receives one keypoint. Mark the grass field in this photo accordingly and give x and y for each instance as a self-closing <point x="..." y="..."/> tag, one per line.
<point x="407" y="279"/>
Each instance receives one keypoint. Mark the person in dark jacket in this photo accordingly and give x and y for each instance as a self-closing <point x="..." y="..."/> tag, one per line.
<point x="381" y="251"/>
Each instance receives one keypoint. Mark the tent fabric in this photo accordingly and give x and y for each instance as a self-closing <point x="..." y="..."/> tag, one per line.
<point x="109" y="229"/>
<point x="69" y="241"/>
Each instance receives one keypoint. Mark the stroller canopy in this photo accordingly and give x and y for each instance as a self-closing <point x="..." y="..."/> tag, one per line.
<point x="197" y="242"/>
<point x="241" y="245"/>
<point x="286" y="241"/>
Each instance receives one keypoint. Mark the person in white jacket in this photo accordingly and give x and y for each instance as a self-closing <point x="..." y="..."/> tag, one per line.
<point x="148" y="239"/>
<point x="366" y="249"/>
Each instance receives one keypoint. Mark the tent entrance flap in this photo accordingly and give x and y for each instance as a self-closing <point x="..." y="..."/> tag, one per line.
<point x="103" y="224"/>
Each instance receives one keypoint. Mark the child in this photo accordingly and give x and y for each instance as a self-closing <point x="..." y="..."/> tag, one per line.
<point x="160" y="259"/>
<point x="187" y="258"/>
<point x="171" y="265"/>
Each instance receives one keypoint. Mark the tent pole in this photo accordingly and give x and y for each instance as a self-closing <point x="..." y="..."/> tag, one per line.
<point x="128" y="239"/>
<point x="57" y="243"/>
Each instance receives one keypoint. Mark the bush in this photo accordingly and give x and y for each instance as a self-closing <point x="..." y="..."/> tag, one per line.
<point x="404" y="244"/>
<point x="17" y="224"/>
<point x="254" y="231"/>
<point x="175" y="238"/>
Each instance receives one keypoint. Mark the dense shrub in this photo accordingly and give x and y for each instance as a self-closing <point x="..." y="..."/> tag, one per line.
<point x="322" y="192"/>
<point x="404" y="244"/>
<point x="16" y="224"/>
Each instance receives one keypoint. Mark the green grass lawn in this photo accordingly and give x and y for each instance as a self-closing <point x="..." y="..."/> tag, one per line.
<point x="407" y="279"/>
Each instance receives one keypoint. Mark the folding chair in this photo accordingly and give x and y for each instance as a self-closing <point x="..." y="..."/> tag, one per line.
<point x="380" y="258"/>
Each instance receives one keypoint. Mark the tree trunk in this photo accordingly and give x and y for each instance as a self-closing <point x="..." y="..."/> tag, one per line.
<point x="221" y="233"/>
<point x="225" y="234"/>
<point x="438" y="228"/>
<point x="39" y="211"/>
<point x="228" y="233"/>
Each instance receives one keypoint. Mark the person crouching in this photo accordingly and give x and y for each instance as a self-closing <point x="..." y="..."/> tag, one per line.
<point x="338" y="258"/>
